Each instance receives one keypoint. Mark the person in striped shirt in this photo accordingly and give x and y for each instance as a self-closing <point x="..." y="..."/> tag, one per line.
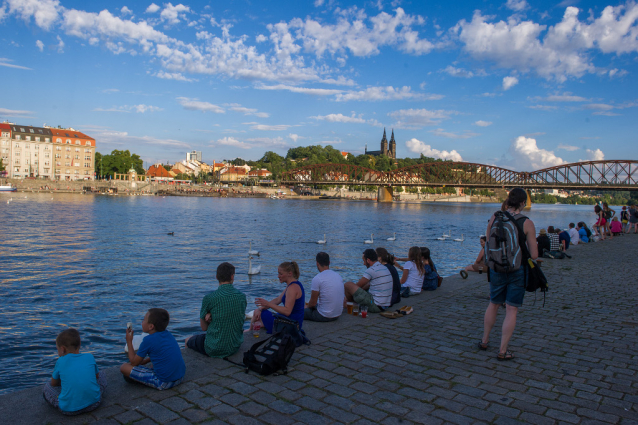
<point x="374" y="289"/>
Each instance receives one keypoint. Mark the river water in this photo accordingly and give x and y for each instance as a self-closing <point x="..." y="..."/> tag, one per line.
<point x="98" y="262"/>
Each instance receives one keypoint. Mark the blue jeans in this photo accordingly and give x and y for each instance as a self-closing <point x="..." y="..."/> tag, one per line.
<point x="507" y="288"/>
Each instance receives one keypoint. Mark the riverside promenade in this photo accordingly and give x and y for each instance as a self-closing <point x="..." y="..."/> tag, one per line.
<point x="576" y="362"/>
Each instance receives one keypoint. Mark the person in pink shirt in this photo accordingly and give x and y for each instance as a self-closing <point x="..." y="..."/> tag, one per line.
<point x="616" y="226"/>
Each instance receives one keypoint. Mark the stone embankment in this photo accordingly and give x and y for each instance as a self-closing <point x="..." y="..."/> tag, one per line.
<point x="575" y="362"/>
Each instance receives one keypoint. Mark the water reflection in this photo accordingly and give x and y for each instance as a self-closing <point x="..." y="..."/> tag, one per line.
<point x="98" y="262"/>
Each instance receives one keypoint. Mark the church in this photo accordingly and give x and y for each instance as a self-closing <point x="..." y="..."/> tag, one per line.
<point x="389" y="151"/>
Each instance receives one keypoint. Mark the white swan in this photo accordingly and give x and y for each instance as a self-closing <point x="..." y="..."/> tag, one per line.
<point x="251" y="251"/>
<point x="442" y="238"/>
<point x="371" y="240"/>
<point x="393" y="238"/>
<point x="322" y="241"/>
<point x="449" y="233"/>
<point x="252" y="270"/>
<point x="461" y="239"/>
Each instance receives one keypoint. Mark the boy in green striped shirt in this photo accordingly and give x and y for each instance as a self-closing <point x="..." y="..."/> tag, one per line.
<point x="222" y="317"/>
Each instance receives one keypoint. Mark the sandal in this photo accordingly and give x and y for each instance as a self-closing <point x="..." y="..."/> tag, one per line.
<point x="482" y="345"/>
<point x="390" y="314"/>
<point x="463" y="274"/>
<point x="505" y="356"/>
<point x="405" y="310"/>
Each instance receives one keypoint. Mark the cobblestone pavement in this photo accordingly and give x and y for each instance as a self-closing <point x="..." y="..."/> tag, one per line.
<point x="575" y="363"/>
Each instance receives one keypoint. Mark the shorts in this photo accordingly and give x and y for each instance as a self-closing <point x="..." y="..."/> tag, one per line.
<point x="600" y="222"/>
<point x="146" y="375"/>
<point x="197" y="343"/>
<point x="311" y="313"/>
<point x="507" y="288"/>
<point x="363" y="297"/>
<point x="51" y="395"/>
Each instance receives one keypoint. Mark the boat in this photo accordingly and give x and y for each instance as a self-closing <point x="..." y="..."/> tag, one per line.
<point x="8" y="188"/>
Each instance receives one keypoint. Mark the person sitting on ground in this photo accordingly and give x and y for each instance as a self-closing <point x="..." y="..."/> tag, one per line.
<point x="479" y="264"/>
<point x="387" y="260"/>
<point x="76" y="385"/>
<point x="326" y="298"/>
<point x="431" y="278"/>
<point x="599" y="226"/>
<point x="290" y="303"/>
<point x="162" y="350"/>
<point x="615" y="227"/>
<point x="563" y="239"/>
<point x="413" y="273"/>
<point x="543" y="242"/>
<point x="221" y="317"/>
<point x="374" y="289"/>
<point x="574" y="239"/>
<point x="583" y="235"/>
<point x="554" y="242"/>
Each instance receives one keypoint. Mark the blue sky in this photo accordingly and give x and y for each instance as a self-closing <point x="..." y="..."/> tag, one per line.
<point x="515" y="83"/>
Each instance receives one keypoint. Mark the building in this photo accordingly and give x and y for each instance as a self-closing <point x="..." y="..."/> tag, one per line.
<point x="5" y="146"/>
<point x="233" y="174"/>
<point x="259" y="174"/>
<point x="74" y="154"/>
<point x="389" y="151"/>
<point x="194" y="156"/>
<point x="157" y="172"/>
<point x="30" y="152"/>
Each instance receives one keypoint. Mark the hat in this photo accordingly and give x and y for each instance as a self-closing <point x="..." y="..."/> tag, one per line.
<point x="542" y="232"/>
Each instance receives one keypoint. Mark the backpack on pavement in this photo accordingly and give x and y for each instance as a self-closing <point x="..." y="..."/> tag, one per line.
<point x="270" y="355"/>
<point x="502" y="250"/>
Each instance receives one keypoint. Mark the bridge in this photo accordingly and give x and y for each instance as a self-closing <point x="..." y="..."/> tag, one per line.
<point x="588" y="175"/>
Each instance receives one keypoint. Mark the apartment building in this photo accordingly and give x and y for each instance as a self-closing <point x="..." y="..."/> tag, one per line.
<point x="5" y="146"/>
<point x="74" y="154"/>
<point x="30" y="151"/>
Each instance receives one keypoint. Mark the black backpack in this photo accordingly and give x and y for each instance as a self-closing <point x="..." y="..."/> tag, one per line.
<point x="396" y="285"/>
<point x="502" y="250"/>
<point x="270" y="355"/>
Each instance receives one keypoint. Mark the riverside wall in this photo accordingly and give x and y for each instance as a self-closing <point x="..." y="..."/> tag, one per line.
<point x="575" y="362"/>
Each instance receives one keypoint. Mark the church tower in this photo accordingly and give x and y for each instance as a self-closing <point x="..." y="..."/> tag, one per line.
<point x="393" y="147"/>
<point x="384" y="144"/>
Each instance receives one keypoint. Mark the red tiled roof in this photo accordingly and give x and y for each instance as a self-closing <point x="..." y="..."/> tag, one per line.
<point x="5" y="126"/>
<point x="71" y="134"/>
<point x="236" y="170"/>
<point x="157" y="171"/>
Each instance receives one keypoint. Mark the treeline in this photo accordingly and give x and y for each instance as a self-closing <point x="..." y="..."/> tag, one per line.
<point x="611" y="197"/>
<point x="118" y="162"/>
<point x="311" y="155"/>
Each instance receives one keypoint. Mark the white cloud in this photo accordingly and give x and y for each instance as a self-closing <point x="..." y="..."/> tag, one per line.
<point x="15" y="113"/>
<point x="567" y="147"/>
<point x="543" y="107"/>
<point x="528" y="156"/>
<point x="294" y="137"/>
<point x="39" y="45"/>
<point x="110" y="137"/>
<point x="60" y="45"/>
<point x="145" y="108"/>
<point x="231" y="141"/>
<point x="598" y="106"/>
<point x="126" y="11"/>
<point x="173" y="76"/>
<point x="340" y="81"/>
<point x="6" y="63"/>
<point x="261" y="38"/>
<point x="303" y="90"/>
<point x="265" y="127"/>
<point x="318" y="3"/>
<point x="458" y="72"/>
<point x="417" y="118"/>
<point x="482" y="123"/>
<point x="153" y="8"/>
<point x="509" y="82"/>
<point x="516" y="5"/>
<point x="172" y="14"/>
<point x="248" y="111"/>
<point x="449" y="135"/>
<point x="45" y="12"/>
<point x="594" y="155"/>
<point x="417" y="146"/>
<point x="340" y="118"/>
<point x="141" y="108"/>
<point x="385" y="93"/>
<point x="198" y="105"/>
<point x="565" y="97"/>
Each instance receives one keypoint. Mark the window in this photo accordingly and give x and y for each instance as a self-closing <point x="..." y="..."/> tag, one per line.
<point x="57" y="155"/>
<point x="37" y="146"/>
<point x="17" y="162"/>
<point x="68" y="141"/>
<point x="37" y="139"/>
<point x="87" y="165"/>
<point x="17" y="154"/>
<point x="46" y="139"/>
<point x="88" y="143"/>
<point x="87" y="157"/>
<point x="17" y="145"/>
<point x="77" y="171"/>
<point x="35" y="155"/>
<point x="46" y="171"/>
<point x="77" y="156"/>
<point x="58" y="140"/>
<point x="31" y="130"/>
<point x="46" y="148"/>
<point x="58" y="171"/>
<point x="67" y="156"/>
<point x="27" y="146"/>
<point x="77" y="149"/>
<point x="58" y="148"/>
<point x="26" y="161"/>
<point x="57" y="164"/>
<point x="68" y="149"/>
<point x="77" y="142"/>
<point x="68" y="171"/>
<point x="17" y="169"/>
<point x="17" y="137"/>
<point x="22" y="129"/>
<point x="27" y="137"/>
<point x="46" y="163"/>
<point x="67" y="164"/>
<point x="47" y="154"/>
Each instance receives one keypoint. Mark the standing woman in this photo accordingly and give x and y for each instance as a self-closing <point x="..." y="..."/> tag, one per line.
<point x="633" y="219"/>
<point x="290" y="303"/>
<point x="608" y="213"/>
<point x="413" y="273"/>
<point x="509" y="288"/>
<point x="599" y="226"/>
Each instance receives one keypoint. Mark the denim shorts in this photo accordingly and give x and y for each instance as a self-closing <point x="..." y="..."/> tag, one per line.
<point x="146" y="375"/>
<point x="507" y="288"/>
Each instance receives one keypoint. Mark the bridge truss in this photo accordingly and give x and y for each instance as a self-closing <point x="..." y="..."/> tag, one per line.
<point x="606" y="175"/>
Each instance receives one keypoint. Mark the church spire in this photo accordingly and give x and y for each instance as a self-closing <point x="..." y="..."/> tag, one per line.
<point x="384" y="138"/>
<point x="392" y="137"/>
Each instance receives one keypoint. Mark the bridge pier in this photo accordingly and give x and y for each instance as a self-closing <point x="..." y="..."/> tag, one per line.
<point x="384" y="194"/>
<point x="528" y="205"/>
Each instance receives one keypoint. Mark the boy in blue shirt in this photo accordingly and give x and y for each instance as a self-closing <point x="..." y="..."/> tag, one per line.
<point x="162" y="350"/>
<point x="76" y="385"/>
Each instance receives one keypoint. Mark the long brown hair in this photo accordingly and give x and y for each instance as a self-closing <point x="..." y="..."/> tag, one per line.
<point x="290" y="267"/>
<point x="425" y="255"/>
<point x="414" y="255"/>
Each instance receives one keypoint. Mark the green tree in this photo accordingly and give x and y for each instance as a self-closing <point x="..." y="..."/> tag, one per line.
<point x="167" y="167"/>
<point x="118" y="162"/>
<point x="1" y="165"/>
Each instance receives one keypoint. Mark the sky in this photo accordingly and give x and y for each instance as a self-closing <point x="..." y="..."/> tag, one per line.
<point x="515" y="83"/>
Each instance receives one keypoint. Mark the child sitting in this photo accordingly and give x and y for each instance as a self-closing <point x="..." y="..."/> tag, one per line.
<point x="616" y="226"/>
<point x="76" y="385"/>
<point x="168" y="365"/>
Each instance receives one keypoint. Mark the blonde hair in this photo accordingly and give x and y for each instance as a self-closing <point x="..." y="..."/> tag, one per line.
<point x="414" y="255"/>
<point x="290" y="267"/>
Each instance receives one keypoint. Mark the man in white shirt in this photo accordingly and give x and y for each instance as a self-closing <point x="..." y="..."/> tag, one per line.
<point x="573" y="234"/>
<point x="326" y="298"/>
<point x="374" y="289"/>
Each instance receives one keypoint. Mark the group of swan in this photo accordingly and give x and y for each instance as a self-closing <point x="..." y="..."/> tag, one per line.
<point x="252" y="270"/>
<point x="367" y="241"/>
<point x="444" y="237"/>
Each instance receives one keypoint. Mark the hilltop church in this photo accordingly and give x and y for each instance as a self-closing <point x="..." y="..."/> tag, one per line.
<point x="390" y="152"/>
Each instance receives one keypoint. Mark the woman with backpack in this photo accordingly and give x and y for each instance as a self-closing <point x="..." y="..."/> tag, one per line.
<point x="507" y="267"/>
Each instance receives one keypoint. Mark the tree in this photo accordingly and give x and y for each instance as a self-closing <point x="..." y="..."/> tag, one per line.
<point x="118" y="162"/>
<point x="167" y="167"/>
<point x="1" y="165"/>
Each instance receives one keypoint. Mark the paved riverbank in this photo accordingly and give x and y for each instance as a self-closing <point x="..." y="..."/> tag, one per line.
<point x="575" y="362"/>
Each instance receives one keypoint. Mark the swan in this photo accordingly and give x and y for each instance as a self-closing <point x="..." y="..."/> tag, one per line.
<point x="461" y="239"/>
<point x="371" y="240"/>
<point x="449" y="233"/>
<point x="323" y="241"/>
<point x="393" y="238"/>
<point x="442" y="238"/>
<point x="252" y="270"/>
<point x="251" y="251"/>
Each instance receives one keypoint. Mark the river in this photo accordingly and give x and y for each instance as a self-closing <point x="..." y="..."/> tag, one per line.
<point x="98" y="262"/>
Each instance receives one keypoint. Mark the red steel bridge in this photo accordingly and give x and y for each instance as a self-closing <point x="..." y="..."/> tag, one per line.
<point x="606" y="175"/>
